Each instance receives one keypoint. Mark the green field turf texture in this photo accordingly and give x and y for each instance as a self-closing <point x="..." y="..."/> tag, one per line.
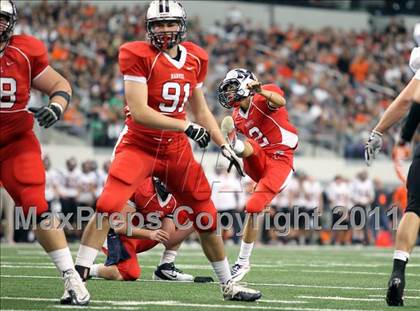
<point x="290" y="278"/>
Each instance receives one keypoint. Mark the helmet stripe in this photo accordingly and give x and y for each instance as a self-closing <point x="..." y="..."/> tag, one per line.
<point x="161" y="6"/>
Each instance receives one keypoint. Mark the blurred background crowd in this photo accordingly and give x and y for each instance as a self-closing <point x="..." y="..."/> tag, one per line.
<point x="79" y="184"/>
<point x="336" y="82"/>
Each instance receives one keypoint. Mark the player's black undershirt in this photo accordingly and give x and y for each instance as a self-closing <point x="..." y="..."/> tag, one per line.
<point x="178" y="55"/>
<point x="410" y="126"/>
<point x="411" y="123"/>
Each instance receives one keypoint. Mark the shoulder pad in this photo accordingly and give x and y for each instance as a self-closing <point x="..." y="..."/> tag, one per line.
<point x="30" y="45"/>
<point x="141" y="49"/>
<point x="273" y="87"/>
<point x="196" y="50"/>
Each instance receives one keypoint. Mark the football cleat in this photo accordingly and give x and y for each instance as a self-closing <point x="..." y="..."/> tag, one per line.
<point x="395" y="293"/>
<point x="233" y="291"/>
<point x="66" y="298"/>
<point x="228" y="130"/>
<point x="75" y="288"/>
<point x="239" y="271"/>
<point x="168" y="272"/>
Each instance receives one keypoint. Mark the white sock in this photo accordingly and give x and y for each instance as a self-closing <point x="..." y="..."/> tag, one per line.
<point x="62" y="259"/>
<point x="94" y="270"/>
<point x="86" y="256"/>
<point x="401" y="255"/>
<point x="222" y="270"/>
<point x="168" y="256"/>
<point x="245" y="253"/>
<point x="239" y="147"/>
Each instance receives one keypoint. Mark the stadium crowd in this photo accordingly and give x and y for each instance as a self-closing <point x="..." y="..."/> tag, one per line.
<point x="336" y="82"/>
<point x="79" y="185"/>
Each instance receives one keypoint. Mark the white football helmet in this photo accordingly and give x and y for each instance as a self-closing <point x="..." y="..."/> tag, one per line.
<point x="416" y="34"/>
<point x="8" y="15"/>
<point x="234" y="87"/>
<point x="161" y="11"/>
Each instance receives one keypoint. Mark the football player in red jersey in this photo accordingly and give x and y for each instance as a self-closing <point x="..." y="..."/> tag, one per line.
<point x="23" y="65"/>
<point x="154" y="204"/>
<point x="160" y="78"/>
<point x="259" y="113"/>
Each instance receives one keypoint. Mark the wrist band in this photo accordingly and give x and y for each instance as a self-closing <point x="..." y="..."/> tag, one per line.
<point x="63" y="94"/>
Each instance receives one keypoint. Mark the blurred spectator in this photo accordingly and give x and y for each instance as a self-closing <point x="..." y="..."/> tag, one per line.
<point x="226" y="189"/>
<point x="102" y="176"/>
<point x="339" y="195"/>
<point x="52" y="180"/>
<point x="363" y="194"/>
<point x="69" y="191"/>
<point x="87" y="185"/>
<point x="381" y="204"/>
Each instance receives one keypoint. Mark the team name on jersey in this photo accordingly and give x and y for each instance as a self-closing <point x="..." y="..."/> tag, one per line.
<point x="249" y="123"/>
<point x="177" y="76"/>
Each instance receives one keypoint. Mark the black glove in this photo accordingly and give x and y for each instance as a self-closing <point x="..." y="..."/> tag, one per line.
<point x="234" y="160"/>
<point x="198" y="134"/>
<point x="47" y="115"/>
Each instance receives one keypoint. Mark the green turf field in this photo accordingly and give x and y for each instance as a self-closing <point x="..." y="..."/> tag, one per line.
<point x="290" y="278"/>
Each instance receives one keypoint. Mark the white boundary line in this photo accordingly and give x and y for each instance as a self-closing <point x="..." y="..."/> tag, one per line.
<point x="256" y="284"/>
<point x="408" y="297"/>
<point x="207" y="267"/>
<point x="339" y="298"/>
<point x="175" y="304"/>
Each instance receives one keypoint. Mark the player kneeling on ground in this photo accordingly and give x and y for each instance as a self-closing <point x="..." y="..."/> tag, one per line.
<point x="151" y="199"/>
<point x="260" y="115"/>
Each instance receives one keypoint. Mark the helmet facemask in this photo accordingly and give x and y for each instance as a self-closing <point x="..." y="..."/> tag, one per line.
<point x="230" y="93"/>
<point x="166" y="39"/>
<point x="8" y="17"/>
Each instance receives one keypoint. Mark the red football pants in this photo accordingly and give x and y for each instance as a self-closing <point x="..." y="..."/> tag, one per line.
<point x="130" y="269"/>
<point x="271" y="176"/>
<point x="22" y="173"/>
<point x="173" y="162"/>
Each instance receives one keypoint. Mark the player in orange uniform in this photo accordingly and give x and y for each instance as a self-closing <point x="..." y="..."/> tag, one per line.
<point x="153" y="203"/>
<point x="160" y="78"/>
<point x="23" y="65"/>
<point x="260" y="115"/>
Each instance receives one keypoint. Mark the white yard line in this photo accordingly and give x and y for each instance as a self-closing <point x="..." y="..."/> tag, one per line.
<point x="12" y="265"/>
<point x="118" y="304"/>
<point x="409" y="297"/>
<point x="338" y="298"/>
<point x="256" y="284"/>
<point x="322" y="286"/>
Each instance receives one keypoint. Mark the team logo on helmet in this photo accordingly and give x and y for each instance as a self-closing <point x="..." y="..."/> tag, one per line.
<point x="233" y="88"/>
<point x="166" y="11"/>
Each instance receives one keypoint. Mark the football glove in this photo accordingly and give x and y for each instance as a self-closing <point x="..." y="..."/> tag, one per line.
<point x="198" y="133"/>
<point x="47" y="115"/>
<point x="373" y="146"/>
<point x="229" y="154"/>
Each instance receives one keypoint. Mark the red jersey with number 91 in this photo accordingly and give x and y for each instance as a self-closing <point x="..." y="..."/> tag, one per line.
<point x="269" y="127"/>
<point x="24" y="59"/>
<point x="170" y="82"/>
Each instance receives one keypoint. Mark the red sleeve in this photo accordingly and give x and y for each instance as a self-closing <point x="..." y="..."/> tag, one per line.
<point x="132" y="64"/>
<point x="262" y="102"/>
<point x="39" y="57"/>
<point x="203" y="71"/>
<point x="203" y="59"/>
